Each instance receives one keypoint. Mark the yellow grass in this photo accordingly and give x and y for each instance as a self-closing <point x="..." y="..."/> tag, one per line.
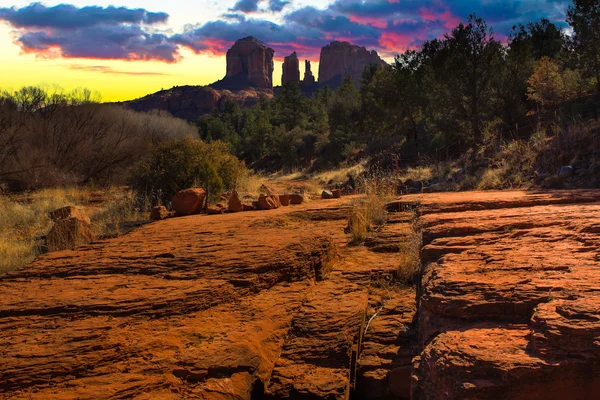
<point x="24" y="219"/>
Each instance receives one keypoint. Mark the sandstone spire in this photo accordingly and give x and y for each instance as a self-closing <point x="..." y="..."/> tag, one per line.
<point x="291" y="69"/>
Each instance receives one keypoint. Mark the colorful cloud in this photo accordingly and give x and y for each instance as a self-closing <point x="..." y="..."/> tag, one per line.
<point x="389" y="26"/>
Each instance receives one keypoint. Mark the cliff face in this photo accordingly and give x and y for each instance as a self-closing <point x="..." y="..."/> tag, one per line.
<point x="291" y="69"/>
<point x="249" y="64"/>
<point x="343" y="59"/>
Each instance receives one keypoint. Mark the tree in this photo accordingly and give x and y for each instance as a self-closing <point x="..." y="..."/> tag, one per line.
<point x="584" y="18"/>
<point x="474" y="58"/>
<point x="549" y="86"/>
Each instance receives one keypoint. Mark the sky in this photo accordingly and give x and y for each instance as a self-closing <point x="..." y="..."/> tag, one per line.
<point x="125" y="49"/>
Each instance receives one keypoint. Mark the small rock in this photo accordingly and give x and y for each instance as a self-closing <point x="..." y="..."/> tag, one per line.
<point x="159" y="213"/>
<point x="284" y="199"/>
<point x="235" y="204"/>
<point x="248" y="207"/>
<point x="69" y="232"/>
<point x="189" y="201"/>
<point x="337" y="193"/>
<point x="268" y="202"/>
<point x="296" y="199"/>
<point x="327" y="195"/>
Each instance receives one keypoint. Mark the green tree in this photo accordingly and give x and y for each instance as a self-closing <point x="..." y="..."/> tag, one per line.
<point x="584" y="18"/>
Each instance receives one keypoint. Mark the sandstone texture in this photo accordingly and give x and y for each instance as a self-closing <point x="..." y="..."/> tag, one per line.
<point x="234" y="306"/>
<point x="291" y="69"/>
<point x="509" y="306"/>
<point x="270" y="305"/>
<point x="249" y="63"/>
<point x="341" y="59"/>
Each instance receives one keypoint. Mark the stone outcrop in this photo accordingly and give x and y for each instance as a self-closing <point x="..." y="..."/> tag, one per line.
<point x="249" y="63"/>
<point x="188" y="201"/>
<point x="279" y="305"/>
<point x="291" y="69"/>
<point x="309" y="78"/>
<point x="340" y="59"/>
<point x="510" y="306"/>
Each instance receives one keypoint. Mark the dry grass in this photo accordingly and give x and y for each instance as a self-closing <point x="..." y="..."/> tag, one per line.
<point x="340" y="175"/>
<point x="410" y="254"/>
<point x="417" y="174"/>
<point x="369" y="212"/>
<point x="24" y="219"/>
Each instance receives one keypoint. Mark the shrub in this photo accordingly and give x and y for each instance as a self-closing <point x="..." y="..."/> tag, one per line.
<point x="176" y="165"/>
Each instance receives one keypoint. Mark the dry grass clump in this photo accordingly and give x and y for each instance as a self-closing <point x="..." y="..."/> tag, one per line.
<point x="410" y="254"/>
<point x="369" y="212"/>
<point x="24" y="219"/>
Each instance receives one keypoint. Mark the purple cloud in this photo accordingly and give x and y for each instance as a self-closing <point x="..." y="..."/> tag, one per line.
<point x="388" y="26"/>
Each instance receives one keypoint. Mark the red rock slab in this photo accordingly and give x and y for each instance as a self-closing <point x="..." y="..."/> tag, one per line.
<point x="188" y="307"/>
<point x="509" y="305"/>
<point x="384" y="366"/>
<point x="318" y="353"/>
<point x="495" y="362"/>
<point x="473" y="201"/>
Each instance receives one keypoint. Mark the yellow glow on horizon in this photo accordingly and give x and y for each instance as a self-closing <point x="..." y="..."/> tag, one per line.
<point x="115" y="80"/>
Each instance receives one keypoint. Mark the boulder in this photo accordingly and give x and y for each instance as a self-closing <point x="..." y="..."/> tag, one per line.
<point x="248" y="207"/>
<point x="327" y="195"/>
<point x="69" y="212"/>
<point x="337" y="193"/>
<point x="296" y="199"/>
<point x="159" y="213"/>
<point x="70" y="231"/>
<point x="189" y="201"/>
<point x="340" y="59"/>
<point x="235" y="204"/>
<point x="284" y="199"/>
<point x="291" y="69"/>
<point x="268" y="202"/>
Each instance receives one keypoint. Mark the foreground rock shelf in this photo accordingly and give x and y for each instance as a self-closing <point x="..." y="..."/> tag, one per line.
<point x="510" y="301"/>
<point x="277" y="305"/>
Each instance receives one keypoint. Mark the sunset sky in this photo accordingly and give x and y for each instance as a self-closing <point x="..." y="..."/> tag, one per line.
<point x="125" y="49"/>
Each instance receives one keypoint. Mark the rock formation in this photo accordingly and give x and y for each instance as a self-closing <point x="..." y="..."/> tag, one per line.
<point x="309" y="78"/>
<point x="191" y="102"/>
<point x="340" y="59"/>
<point x="249" y="63"/>
<point x="291" y="69"/>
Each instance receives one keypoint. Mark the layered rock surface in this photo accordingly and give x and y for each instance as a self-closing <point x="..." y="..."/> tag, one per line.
<point x="253" y="305"/>
<point x="510" y="302"/>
